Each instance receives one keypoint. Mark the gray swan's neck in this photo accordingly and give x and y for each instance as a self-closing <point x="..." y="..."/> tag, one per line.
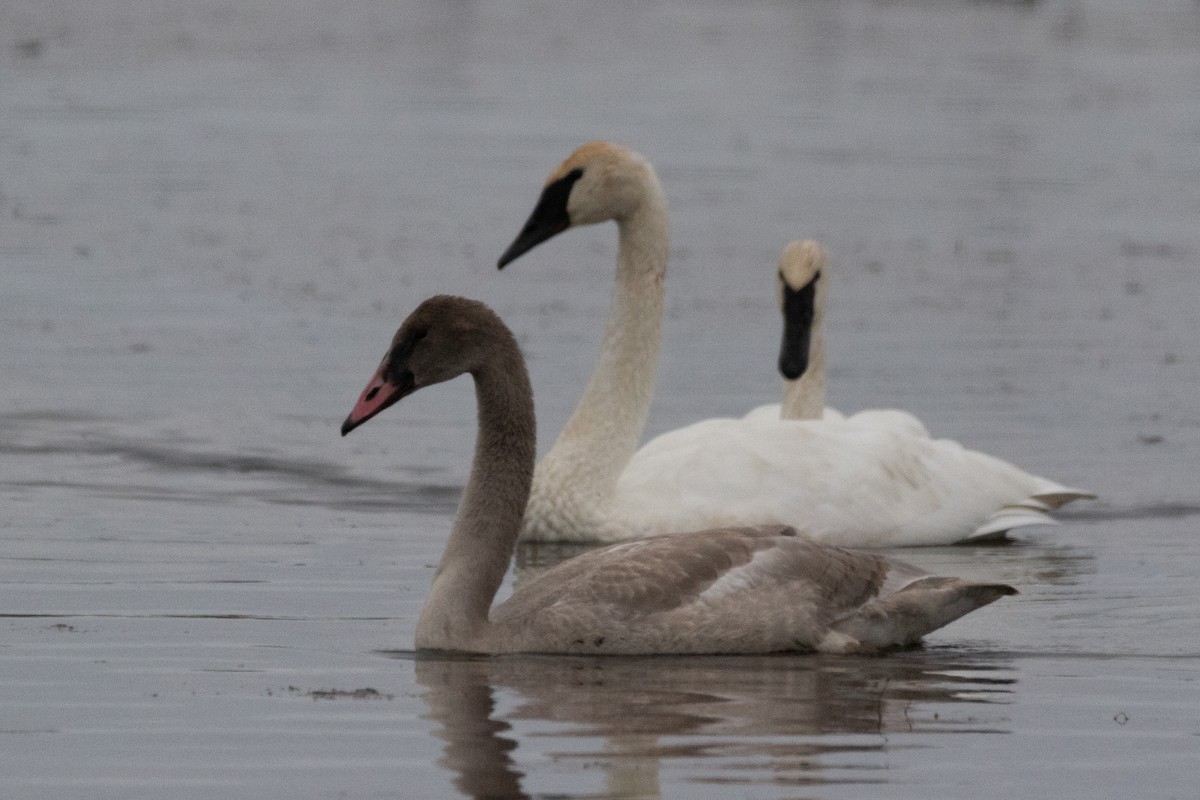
<point x="603" y="432"/>
<point x="477" y="554"/>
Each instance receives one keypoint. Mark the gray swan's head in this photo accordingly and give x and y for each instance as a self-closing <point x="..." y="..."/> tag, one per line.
<point x="443" y="338"/>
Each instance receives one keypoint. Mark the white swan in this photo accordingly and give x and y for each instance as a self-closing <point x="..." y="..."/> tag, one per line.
<point x="886" y="484"/>
<point x="802" y="354"/>
<point x="732" y="590"/>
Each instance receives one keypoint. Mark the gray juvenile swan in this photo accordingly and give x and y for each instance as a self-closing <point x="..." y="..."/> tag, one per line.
<point x="729" y="590"/>
<point x="862" y="485"/>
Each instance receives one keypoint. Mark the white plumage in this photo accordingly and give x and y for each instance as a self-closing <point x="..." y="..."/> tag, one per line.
<point x="875" y="479"/>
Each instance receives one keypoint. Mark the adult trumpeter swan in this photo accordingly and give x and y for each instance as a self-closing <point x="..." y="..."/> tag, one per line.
<point x="730" y="590"/>
<point x="856" y="485"/>
<point x="802" y="353"/>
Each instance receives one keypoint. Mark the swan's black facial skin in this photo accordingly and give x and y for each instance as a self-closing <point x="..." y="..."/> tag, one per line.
<point x="402" y="378"/>
<point x="395" y="368"/>
<point x="549" y="218"/>
<point x="798" y="312"/>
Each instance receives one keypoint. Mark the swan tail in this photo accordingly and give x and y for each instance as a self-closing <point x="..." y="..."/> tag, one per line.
<point x="1034" y="511"/>
<point x="1008" y="518"/>
<point x="1055" y="496"/>
<point x="902" y="618"/>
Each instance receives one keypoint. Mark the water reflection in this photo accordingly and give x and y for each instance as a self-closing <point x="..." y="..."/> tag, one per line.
<point x="786" y="720"/>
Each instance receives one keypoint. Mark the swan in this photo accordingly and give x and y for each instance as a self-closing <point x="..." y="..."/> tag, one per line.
<point x="852" y="484"/>
<point x="802" y="353"/>
<point x="801" y="295"/>
<point x="728" y="590"/>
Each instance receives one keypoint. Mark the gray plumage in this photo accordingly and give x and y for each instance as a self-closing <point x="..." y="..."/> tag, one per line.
<point x="728" y="590"/>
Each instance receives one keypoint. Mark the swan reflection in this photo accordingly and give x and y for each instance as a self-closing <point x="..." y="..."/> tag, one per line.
<point x="756" y="719"/>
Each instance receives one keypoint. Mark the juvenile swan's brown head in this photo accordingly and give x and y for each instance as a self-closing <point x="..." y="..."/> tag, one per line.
<point x="443" y="338"/>
<point x="598" y="182"/>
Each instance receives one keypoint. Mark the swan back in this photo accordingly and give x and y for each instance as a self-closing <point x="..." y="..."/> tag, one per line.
<point x="732" y="590"/>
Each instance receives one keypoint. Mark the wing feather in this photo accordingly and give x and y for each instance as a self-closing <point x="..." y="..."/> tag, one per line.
<point x="709" y="568"/>
<point x="731" y="590"/>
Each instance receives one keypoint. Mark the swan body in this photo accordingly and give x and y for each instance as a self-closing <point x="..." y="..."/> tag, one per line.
<point x="874" y="479"/>
<point x="730" y="590"/>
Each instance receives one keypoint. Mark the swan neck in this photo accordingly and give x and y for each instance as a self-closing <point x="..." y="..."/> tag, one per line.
<point x="603" y="432"/>
<point x="804" y="398"/>
<point x="477" y="554"/>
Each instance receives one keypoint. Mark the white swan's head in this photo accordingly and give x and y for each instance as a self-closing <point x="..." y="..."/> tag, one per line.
<point x="598" y="182"/>
<point x="800" y="269"/>
<point x="443" y="338"/>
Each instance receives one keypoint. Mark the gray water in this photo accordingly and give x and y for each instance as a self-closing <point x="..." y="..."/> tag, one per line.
<point x="214" y="214"/>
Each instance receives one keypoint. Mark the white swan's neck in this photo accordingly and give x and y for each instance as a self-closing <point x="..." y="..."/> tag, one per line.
<point x="455" y="616"/>
<point x="804" y="398"/>
<point x="603" y="432"/>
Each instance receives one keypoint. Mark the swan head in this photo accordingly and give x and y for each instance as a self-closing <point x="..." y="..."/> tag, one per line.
<point x="598" y="182"/>
<point x="443" y="338"/>
<point x="800" y="268"/>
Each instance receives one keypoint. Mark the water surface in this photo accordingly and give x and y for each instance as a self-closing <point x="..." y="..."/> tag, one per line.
<point x="213" y="215"/>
